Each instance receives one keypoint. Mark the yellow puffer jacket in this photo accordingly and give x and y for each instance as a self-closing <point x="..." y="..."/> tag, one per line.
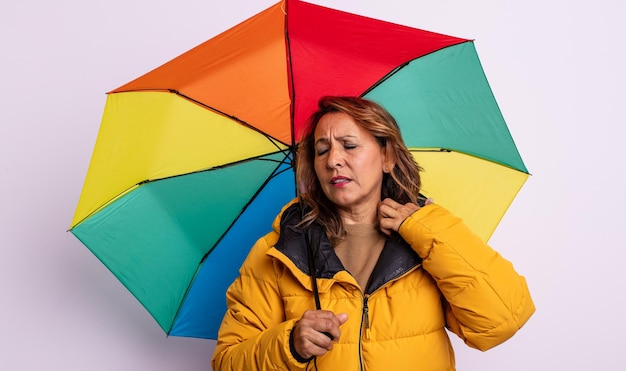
<point x="438" y="275"/>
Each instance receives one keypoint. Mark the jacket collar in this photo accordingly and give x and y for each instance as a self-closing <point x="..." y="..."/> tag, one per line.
<point x="396" y="258"/>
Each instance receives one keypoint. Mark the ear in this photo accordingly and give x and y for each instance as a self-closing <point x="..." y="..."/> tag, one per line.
<point x="389" y="160"/>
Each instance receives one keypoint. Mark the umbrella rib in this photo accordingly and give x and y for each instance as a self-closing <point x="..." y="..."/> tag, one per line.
<point x="384" y="78"/>
<point x="292" y="108"/>
<point x="146" y="181"/>
<point x="398" y="68"/>
<point x="275" y="173"/>
<point x="235" y="118"/>
<point x="269" y="178"/>
<point x="495" y="161"/>
<point x="218" y="167"/>
<point x="429" y="150"/>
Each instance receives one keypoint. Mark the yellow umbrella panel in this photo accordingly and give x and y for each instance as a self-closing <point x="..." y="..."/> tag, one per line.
<point x="154" y="135"/>
<point x="478" y="191"/>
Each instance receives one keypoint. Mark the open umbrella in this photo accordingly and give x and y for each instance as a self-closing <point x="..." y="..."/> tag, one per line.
<point x="194" y="159"/>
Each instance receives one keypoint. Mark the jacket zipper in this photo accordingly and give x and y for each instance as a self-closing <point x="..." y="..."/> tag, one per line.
<point x="365" y="325"/>
<point x="365" y="316"/>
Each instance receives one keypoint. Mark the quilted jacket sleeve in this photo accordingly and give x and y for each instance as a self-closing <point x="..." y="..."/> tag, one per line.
<point x="487" y="300"/>
<point x="254" y="334"/>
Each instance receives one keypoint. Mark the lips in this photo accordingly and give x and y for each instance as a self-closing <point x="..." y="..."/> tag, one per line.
<point x="339" y="180"/>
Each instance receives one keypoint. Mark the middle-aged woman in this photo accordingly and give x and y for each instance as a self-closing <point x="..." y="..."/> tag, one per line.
<point x="390" y="275"/>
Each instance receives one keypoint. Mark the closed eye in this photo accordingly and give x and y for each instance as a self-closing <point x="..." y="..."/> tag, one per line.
<point x="321" y="151"/>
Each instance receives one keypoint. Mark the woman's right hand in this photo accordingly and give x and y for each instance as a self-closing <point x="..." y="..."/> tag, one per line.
<point x="391" y="214"/>
<point x="311" y="333"/>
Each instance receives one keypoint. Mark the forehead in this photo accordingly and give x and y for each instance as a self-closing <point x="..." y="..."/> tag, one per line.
<point x="338" y="124"/>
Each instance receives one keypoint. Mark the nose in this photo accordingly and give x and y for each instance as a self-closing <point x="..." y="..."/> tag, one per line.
<point x="335" y="158"/>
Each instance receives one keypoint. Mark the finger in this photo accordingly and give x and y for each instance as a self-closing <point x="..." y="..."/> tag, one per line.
<point x="396" y="217"/>
<point x="320" y="313"/>
<point x="387" y="209"/>
<point x="342" y="318"/>
<point x="308" y="347"/>
<point x="385" y="225"/>
<point x="329" y="328"/>
<point x="317" y="345"/>
<point x="389" y="202"/>
<point x="324" y="340"/>
<point x="309" y="342"/>
<point x="429" y="201"/>
<point x="315" y="341"/>
<point x="324" y="322"/>
<point x="407" y="209"/>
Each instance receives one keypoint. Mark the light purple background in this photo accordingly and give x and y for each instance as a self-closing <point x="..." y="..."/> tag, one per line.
<point x="556" y="68"/>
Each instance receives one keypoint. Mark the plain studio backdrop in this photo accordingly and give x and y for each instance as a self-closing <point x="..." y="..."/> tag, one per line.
<point x="556" y="69"/>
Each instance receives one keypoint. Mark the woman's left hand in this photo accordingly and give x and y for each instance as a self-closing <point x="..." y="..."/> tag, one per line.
<point x="391" y="214"/>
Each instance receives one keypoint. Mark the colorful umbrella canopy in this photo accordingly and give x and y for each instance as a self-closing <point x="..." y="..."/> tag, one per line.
<point x="193" y="159"/>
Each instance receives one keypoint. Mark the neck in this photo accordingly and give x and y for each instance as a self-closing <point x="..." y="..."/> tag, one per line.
<point x="363" y="215"/>
<point x="359" y="250"/>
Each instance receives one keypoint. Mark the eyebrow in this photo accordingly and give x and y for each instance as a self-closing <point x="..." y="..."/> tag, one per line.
<point x="343" y="137"/>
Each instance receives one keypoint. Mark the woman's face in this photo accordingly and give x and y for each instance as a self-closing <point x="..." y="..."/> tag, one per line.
<point x="349" y="164"/>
